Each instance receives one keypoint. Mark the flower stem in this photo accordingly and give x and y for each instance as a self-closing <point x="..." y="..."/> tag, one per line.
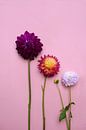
<point x="43" y="103"/>
<point x="63" y="108"/>
<point x="70" y="108"/>
<point x="29" y="103"/>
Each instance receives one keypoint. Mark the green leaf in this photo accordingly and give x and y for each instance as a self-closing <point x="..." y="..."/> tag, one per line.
<point x="63" y="112"/>
<point x="62" y="115"/>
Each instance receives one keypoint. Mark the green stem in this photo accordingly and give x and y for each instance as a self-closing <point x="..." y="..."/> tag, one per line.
<point x="43" y="103"/>
<point x="70" y="108"/>
<point x="29" y="103"/>
<point x="63" y="108"/>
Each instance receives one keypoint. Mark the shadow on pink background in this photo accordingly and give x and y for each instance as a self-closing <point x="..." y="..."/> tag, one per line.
<point x="61" y="25"/>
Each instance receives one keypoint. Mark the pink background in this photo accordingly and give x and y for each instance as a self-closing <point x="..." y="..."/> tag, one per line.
<point x="61" y="25"/>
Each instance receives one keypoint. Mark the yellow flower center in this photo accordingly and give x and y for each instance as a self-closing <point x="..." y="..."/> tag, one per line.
<point x="50" y="62"/>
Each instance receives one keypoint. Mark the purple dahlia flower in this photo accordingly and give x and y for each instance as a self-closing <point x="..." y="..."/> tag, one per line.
<point x="28" y="45"/>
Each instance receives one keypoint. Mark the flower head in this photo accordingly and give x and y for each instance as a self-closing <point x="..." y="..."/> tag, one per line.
<point x="28" y="45"/>
<point x="48" y="65"/>
<point x="69" y="79"/>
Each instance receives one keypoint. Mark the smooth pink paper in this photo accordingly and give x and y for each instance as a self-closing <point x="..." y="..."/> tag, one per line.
<point x="61" y="25"/>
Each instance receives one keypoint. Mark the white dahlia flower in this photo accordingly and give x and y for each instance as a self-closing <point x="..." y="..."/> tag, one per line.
<point x="69" y="78"/>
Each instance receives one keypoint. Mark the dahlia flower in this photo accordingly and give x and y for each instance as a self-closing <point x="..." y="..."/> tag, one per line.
<point x="69" y="78"/>
<point x="49" y="65"/>
<point x="28" y="45"/>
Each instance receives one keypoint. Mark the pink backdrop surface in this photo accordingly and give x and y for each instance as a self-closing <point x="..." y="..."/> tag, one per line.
<point x="61" y="25"/>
